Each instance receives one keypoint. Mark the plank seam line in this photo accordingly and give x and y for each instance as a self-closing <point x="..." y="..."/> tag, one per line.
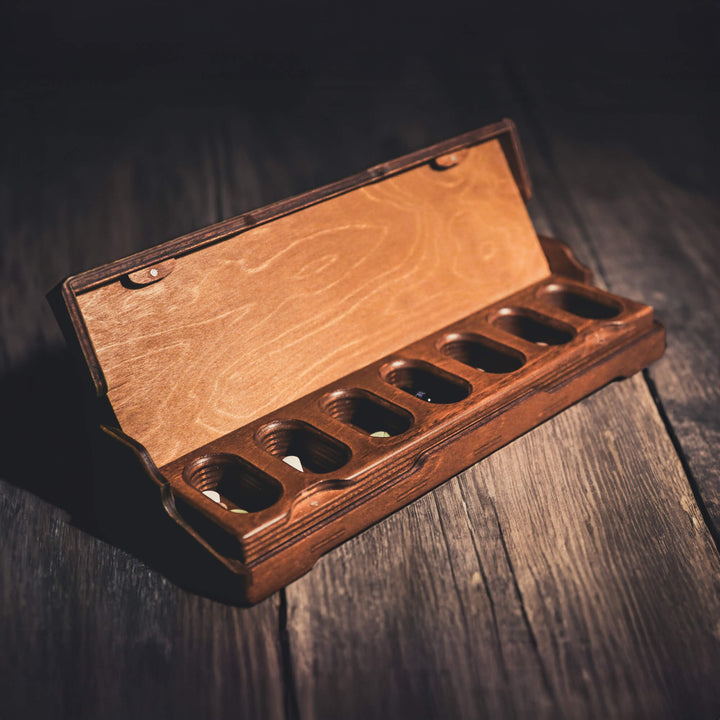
<point x="455" y="582"/>
<point x="684" y="462"/>
<point x="523" y="609"/>
<point x="486" y="584"/>
<point x="290" y="699"/>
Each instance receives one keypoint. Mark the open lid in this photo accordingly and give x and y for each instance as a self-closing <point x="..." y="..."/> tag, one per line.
<point x="199" y="336"/>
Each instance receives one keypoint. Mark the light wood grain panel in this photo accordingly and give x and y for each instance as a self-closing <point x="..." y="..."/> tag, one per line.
<point x="247" y="325"/>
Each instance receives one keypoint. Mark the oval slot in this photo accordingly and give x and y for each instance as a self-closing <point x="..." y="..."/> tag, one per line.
<point x="366" y="412"/>
<point x="425" y="382"/>
<point x="578" y="303"/>
<point x="533" y="327"/>
<point x="317" y="452"/>
<point x="482" y="353"/>
<point x="240" y="486"/>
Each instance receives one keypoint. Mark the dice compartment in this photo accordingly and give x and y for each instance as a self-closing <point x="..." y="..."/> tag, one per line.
<point x="463" y="384"/>
<point x="366" y="412"/>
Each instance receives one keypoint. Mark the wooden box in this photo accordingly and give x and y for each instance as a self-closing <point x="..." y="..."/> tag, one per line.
<point x="383" y="333"/>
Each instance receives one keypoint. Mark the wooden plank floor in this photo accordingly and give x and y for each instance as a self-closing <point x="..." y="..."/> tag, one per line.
<point x="574" y="573"/>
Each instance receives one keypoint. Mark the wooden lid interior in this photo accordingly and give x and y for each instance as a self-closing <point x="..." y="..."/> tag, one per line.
<point x="246" y="325"/>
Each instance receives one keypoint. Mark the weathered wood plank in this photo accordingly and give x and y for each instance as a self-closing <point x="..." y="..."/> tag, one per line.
<point x="545" y="581"/>
<point x="560" y="599"/>
<point x="91" y="632"/>
<point x="635" y="550"/>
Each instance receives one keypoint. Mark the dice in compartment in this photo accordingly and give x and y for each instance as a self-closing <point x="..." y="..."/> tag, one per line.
<point x="366" y="412"/>
<point x="425" y="382"/>
<point x="232" y="482"/>
<point x="316" y="451"/>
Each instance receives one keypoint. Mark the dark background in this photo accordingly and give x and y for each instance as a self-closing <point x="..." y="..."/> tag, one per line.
<point x="306" y="93"/>
<point x="328" y="89"/>
<point x="124" y="124"/>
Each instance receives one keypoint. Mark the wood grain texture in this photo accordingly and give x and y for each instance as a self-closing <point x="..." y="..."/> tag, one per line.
<point x="644" y="678"/>
<point x="92" y="173"/>
<point x="106" y="636"/>
<point x="242" y="327"/>
<point x="103" y="627"/>
<point x="567" y="552"/>
<point x="351" y="480"/>
<point x="661" y="247"/>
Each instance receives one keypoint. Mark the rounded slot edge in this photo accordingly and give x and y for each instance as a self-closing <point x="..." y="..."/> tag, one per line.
<point x="367" y="412"/>
<point x="576" y="302"/>
<point x="481" y="353"/>
<point x="232" y="483"/>
<point x="532" y="326"/>
<point x="309" y="448"/>
<point x="425" y="382"/>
